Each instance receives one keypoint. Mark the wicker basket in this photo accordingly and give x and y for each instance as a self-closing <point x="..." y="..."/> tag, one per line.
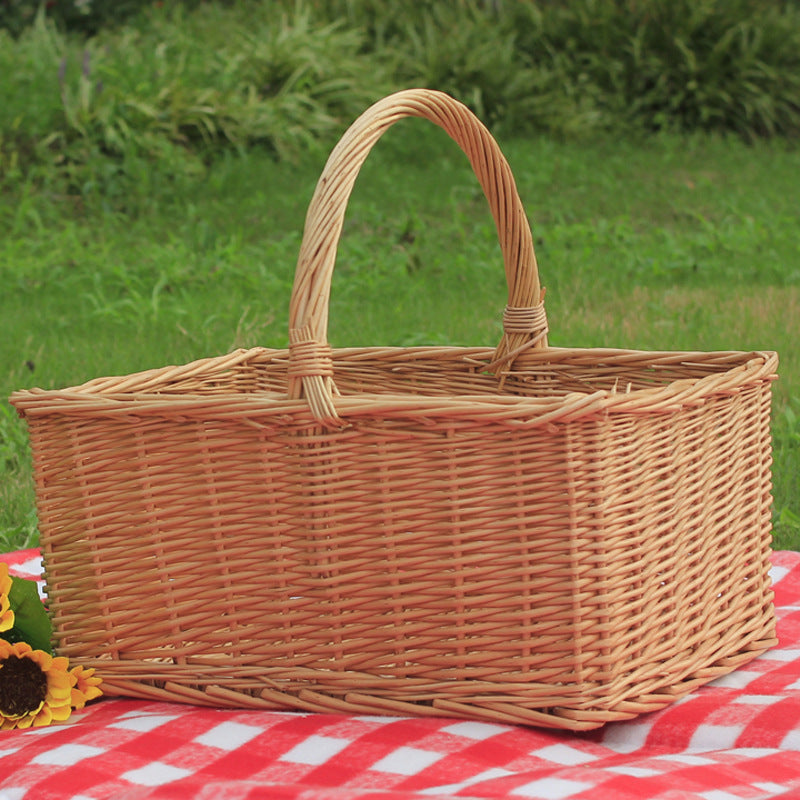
<point x="548" y="536"/>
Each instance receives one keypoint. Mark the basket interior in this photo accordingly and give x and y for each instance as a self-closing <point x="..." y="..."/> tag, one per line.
<point x="438" y="372"/>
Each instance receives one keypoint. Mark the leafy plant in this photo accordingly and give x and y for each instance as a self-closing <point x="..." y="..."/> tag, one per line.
<point x="684" y="64"/>
<point x="589" y="64"/>
<point x="174" y="91"/>
<point x="177" y="85"/>
<point x="85" y="16"/>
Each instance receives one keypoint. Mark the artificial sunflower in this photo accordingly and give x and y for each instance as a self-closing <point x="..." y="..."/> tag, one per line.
<point x="6" y="612"/>
<point x="35" y="687"/>
<point x="85" y="686"/>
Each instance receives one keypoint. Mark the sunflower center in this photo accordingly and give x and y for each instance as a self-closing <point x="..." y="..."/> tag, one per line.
<point x="23" y="686"/>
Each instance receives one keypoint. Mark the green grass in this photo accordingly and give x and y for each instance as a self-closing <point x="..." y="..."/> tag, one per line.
<point x="665" y="243"/>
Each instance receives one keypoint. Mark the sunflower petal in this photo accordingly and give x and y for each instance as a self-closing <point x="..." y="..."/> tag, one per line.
<point x="61" y="713"/>
<point x="86" y="686"/>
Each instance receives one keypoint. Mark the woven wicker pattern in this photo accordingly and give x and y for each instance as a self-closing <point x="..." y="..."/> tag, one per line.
<point x="548" y="536"/>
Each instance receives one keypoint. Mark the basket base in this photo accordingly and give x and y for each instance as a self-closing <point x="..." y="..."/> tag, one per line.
<point x="515" y="711"/>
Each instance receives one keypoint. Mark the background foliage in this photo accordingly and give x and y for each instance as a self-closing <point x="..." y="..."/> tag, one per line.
<point x="156" y="160"/>
<point x="184" y="81"/>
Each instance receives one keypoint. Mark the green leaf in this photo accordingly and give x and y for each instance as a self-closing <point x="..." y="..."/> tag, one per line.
<point x="31" y="621"/>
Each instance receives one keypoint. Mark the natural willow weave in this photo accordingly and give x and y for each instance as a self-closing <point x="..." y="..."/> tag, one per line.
<point x="558" y="537"/>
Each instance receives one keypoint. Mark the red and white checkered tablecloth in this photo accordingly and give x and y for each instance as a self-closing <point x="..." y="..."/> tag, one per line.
<point x="736" y="738"/>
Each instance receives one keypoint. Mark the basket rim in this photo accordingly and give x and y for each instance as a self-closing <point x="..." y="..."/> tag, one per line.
<point x="119" y="396"/>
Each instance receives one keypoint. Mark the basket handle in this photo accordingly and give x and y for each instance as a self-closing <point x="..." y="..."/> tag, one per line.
<point x="524" y="321"/>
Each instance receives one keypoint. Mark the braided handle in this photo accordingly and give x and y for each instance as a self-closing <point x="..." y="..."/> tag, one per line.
<point x="524" y="323"/>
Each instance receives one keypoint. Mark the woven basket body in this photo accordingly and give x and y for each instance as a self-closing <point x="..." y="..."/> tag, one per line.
<point x="557" y="537"/>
